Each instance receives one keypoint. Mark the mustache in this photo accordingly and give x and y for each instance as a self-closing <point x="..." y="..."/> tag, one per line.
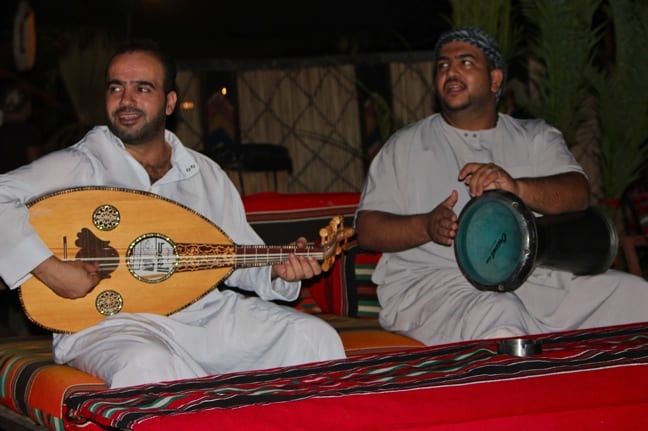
<point x="454" y="81"/>
<point x="128" y="109"/>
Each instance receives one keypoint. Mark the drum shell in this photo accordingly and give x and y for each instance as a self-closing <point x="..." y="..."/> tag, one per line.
<point x="583" y="243"/>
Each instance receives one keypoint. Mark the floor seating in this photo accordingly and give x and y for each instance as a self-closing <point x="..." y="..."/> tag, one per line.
<point x="588" y="379"/>
<point x="34" y="387"/>
<point x="591" y="380"/>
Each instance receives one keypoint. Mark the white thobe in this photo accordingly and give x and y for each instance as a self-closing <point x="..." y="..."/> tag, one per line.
<point x="222" y="332"/>
<point x="422" y="291"/>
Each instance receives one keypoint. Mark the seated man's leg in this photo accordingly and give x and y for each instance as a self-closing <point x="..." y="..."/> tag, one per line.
<point x="233" y="333"/>
<point x="127" y="350"/>
<point x="565" y="301"/>
<point x="473" y="315"/>
<point x="250" y="333"/>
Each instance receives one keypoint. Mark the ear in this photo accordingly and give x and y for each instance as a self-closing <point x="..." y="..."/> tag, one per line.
<point x="171" y="100"/>
<point x="497" y="77"/>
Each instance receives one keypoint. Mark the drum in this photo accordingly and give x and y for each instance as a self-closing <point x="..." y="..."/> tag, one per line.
<point x="500" y="242"/>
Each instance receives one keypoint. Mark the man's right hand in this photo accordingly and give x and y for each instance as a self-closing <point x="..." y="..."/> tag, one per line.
<point x="68" y="279"/>
<point x="442" y="221"/>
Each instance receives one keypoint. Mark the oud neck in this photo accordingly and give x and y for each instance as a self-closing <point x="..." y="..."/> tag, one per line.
<point x="247" y="256"/>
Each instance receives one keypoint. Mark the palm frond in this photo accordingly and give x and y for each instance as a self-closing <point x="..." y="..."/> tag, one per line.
<point x="492" y="16"/>
<point x="561" y="44"/>
<point x="621" y="91"/>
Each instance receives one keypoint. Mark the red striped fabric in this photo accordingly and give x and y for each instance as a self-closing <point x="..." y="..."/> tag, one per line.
<point x="592" y="379"/>
<point x="31" y="384"/>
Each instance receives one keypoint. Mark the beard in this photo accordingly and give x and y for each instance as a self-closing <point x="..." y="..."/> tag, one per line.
<point x="134" y="136"/>
<point x="454" y="107"/>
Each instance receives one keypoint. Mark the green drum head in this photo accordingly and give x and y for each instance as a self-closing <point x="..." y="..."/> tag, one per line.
<point x="494" y="241"/>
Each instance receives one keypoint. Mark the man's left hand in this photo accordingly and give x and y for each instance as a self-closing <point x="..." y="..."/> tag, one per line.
<point x="487" y="176"/>
<point x="297" y="268"/>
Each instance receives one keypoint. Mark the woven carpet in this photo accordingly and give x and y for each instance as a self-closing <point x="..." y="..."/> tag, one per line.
<point x="592" y="380"/>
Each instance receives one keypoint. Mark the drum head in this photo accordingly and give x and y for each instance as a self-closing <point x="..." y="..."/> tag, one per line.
<point x="496" y="241"/>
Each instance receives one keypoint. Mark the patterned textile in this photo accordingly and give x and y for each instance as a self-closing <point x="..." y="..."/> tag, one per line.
<point x="31" y="384"/>
<point x="594" y="380"/>
<point x="346" y="290"/>
<point x="360" y="291"/>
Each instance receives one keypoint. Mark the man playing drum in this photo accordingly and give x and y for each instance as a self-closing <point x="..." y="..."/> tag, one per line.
<point x="428" y="171"/>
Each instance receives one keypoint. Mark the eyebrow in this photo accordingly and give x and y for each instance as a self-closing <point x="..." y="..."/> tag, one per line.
<point x="120" y="82"/>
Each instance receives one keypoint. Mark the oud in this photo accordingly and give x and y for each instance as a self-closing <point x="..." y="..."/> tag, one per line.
<point x="155" y="255"/>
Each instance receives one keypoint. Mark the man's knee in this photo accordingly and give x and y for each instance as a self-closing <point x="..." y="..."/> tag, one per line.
<point x="500" y="316"/>
<point x="324" y="339"/>
<point x="147" y="363"/>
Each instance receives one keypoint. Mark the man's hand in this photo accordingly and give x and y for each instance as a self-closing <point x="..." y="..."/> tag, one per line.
<point x="442" y="221"/>
<point x="552" y="194"/>
<point x="297" y="268"/>
<point x="487" y="176"/>
<point x="68" y="279"/>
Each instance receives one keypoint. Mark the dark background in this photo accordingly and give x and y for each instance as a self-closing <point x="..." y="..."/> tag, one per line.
<point x="199" y="32"/>
<point x="197" y="29"/>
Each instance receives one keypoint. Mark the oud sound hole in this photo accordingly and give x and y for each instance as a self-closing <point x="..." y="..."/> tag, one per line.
<point x="152" y="258"/>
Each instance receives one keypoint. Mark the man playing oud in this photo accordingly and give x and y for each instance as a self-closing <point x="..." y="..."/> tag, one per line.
<point x="223" y="331"/>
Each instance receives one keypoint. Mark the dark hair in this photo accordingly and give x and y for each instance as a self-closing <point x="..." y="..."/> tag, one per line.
<point x="151" y="47"/>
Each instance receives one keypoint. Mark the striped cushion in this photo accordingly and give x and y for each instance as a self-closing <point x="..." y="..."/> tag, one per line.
<point x="359" y="266"/>
<point x="350" y="287"/>
<point x="280" y="218"/>
<point x="346" y="290"/>
<point x="34" y="386"/>
<point x="31" y="384"/>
